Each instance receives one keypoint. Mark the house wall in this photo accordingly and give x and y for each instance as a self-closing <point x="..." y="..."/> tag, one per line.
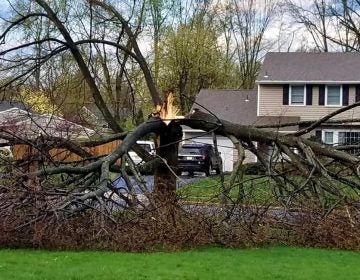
<point x="249" y="157"/>
<point x="271" y="104"/>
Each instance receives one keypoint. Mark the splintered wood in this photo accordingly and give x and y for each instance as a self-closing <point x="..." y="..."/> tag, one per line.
<point x="167" y="111"/>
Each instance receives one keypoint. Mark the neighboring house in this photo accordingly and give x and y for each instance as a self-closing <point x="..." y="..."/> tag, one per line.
<point x="237" y="106"/>
<point x="308" y="86"/>
<point x="51" y="125"/>
<point x="10" y="111"/>
<point x="17" y="120"/>
<point x="8" y="105"/>
<point x="92" y="116"/>
<point x="97" y="122"/>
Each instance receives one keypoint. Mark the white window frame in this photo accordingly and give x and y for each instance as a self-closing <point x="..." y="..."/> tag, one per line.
<point x="326" y="96"/>
<point x="290" y="91"/>
<point x="336" y="134"/>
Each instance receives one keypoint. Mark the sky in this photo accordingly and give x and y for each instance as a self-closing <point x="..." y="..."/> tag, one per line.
<point x="290" y="37"/>
<point x="4" y="5"/>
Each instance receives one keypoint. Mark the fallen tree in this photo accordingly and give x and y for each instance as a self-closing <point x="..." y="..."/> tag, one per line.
<point x="39" y="194"/>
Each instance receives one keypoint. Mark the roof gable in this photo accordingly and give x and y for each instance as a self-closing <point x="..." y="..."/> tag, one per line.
<point x="310" y="68"/>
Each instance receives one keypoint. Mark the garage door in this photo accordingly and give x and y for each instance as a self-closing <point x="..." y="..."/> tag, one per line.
<point x="225" y="147"/>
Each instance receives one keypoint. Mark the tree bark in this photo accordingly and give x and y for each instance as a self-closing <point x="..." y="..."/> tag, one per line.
<point x="165" y="172"/>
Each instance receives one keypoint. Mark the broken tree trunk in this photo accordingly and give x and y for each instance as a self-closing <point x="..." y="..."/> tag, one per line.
<point x="167" y="150"/>
<point x="165" y="172"/>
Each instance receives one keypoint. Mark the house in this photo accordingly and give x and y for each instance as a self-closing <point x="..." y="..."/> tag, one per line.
<point x="9" y="111"/>
<point x="17" y="120"/>
<point x="91" y="116"/>
<point x="308" y="86"/>
<point x="291" y="87"/>
<point x="50" y="125"/>
<point x="232" y="105"/>
<point x="6" y="105"/>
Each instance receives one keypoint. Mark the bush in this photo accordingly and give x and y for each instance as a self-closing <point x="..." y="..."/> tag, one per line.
<point x="254" y="168"/>
<point x="27" y="221"/>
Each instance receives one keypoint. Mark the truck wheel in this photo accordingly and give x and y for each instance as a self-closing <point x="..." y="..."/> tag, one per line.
<point x="207" y="171"/>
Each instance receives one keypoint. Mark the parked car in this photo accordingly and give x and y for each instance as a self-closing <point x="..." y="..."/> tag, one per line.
<point x="198" y="157"/>
<point x="148" y="146"/>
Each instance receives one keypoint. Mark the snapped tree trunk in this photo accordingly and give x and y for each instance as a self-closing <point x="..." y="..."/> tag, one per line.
<point x="165" y="172"/>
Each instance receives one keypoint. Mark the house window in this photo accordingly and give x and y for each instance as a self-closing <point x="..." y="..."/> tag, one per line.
<point x="333" y="96"/>
<point x="349" y="138"/>
<point x="342" y="138"/>
<point x="329" y="137"/>
<point x="297" y="95"/>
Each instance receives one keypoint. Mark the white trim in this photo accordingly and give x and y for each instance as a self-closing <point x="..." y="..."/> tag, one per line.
<point x="17" y="110"/>
<point x="341" y="97"/>
<point x="193" y="130"/>
<point x="304" y="93"/>
<point x="258" y="102"/>
<point x="335" y="134"/>
<point x="309" y="82"/>
<point x="287" y="131"/>
<point x="256" y="146"/>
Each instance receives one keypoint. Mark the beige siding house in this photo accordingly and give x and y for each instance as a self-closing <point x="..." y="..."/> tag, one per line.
<point x="292" y="87"/>
<point x="309" y="86"/>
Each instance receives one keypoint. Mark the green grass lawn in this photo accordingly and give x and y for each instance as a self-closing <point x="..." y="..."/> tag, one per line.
<point x="257" y="189"/>
<point x="213" y="263"/>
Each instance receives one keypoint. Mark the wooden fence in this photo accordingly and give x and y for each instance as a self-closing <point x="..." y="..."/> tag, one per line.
<point x="26" y="151"/>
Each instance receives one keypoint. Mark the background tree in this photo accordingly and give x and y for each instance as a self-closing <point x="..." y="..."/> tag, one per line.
<point x="332" y="25"/>
<point x="314" y="17"/>
<point x="244" y="24"/>
<point x="192" y="59"/>
<point x="161" y="15"/>
<point x="347" y="18"/>
<point x="37" y="101"/>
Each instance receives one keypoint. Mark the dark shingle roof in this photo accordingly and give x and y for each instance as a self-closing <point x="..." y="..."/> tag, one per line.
<point x="310" y="67"/>
<point x="6" y="105"/>
<point x="230" y="105"/>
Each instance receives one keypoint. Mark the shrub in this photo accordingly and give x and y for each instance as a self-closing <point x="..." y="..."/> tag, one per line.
<point x="254" y="168"/>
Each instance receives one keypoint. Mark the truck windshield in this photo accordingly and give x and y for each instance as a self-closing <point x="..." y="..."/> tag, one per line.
<point x="146" y="147"/>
